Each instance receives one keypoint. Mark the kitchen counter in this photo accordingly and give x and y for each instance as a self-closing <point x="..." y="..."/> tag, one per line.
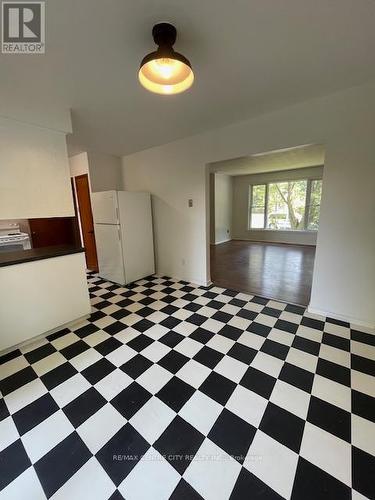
<point x="21" y="256"/>
<point x="42" y="291"/>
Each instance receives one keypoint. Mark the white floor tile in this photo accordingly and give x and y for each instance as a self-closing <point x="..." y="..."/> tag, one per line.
<point x="152" y="478"/>
<point x="280" y="336"/>
<point x="212" y="473"/>
<point x="70" y="389"/>
<point x="247" y="404"/>
<point x="97" y="337"/>
<point x="8" y="433"/>
<point x="363" y="383"/>
<point x="220" y="343"/>
<point x="25" y="395"/>
<point x="251" y="340"/>
<point x="45" y="436"/>
<point x="121" y="355"/>
<point x="272" y="463"/>
<point x="239" y="322"/>
<point x="152" y="419"/>
<point x="328" y="452"/>
<point x="188" y="347"/>
<point x="309" y="333"/>
<point x="13" y="366"/>
<point x="334" y="355"/>
<point x="26" y="485"/>
<point x="332" y="392"/>
<point x="363" y="434"/>
<point x="154" y="378"/>
<point x="302" y="359"/>
<point x="85" y="359"/>
<point x="212" y="325"/>
<point x="69" y="338"/>
<point x="113" y="384"/>
<point x="48" y="363"/>
<point x="193" y="373"/>
<point x="231" y="368"/>
<point x="101" y="427"/>
<point x="267" y="364"/>
<point x="155" y="351"/>
<point x="290" y="398"/>
<point x="201" y="412"/>
<point x="90" y="481"/>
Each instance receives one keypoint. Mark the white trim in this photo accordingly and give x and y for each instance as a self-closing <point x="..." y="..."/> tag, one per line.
<point x="191" y="281"/>
<point x="222" y="241"/>
<point x="45" y="334"/>
<point x="349" y="319"/>
<point x="290" y="243"/>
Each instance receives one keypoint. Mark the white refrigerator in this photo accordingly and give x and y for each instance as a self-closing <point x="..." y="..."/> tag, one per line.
<point x="123" y="234"/>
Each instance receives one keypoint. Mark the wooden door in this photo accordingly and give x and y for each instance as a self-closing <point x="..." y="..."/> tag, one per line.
<point x="53" y="231"/>
<point x="87" y="222"/>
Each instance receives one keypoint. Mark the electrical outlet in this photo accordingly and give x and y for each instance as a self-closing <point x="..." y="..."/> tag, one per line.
<point x="190" y="203"/>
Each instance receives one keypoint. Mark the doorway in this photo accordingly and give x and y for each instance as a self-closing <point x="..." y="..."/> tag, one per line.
<point x="82" y="190"/>
<point x="264" y="219"/>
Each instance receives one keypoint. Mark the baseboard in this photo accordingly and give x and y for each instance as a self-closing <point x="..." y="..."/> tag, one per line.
<point x="276" y="242"/>
<point x="193" y="281"/>
<point x="70" y="324"/>
<point x="222" y="241"/>
<point x="343" y="317"/>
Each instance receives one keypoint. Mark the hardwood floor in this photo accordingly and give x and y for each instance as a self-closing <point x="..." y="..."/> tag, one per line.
<point x="271" y="270"/>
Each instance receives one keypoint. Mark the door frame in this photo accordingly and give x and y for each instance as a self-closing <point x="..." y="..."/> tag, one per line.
<point x="86" y="177"/>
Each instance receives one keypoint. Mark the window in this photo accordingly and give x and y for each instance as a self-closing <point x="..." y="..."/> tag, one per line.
<point x="289" y="205"/>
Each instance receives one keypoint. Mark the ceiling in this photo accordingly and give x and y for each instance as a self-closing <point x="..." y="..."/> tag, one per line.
<point x="249" y="56"/>
<point x="310" y="155"/>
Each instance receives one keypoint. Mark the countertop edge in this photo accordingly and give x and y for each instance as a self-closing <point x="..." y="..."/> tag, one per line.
<point x="23" y="256"/>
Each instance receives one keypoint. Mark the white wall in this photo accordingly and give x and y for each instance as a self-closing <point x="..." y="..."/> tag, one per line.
<point x="223" y="207"/>
<point x="241" y="184"/>
<point x="34" y="172"/>
<point x="344" y="280"/>
<point x="105" y="171"/>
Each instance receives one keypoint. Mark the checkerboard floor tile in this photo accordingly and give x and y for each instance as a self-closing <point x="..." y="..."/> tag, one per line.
<point x="171" y="390"/>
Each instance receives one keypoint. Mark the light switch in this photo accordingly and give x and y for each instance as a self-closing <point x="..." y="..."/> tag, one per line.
<point x="190" y="203"/>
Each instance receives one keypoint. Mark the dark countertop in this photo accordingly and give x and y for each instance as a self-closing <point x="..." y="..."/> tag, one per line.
<point x="21" y="256"/>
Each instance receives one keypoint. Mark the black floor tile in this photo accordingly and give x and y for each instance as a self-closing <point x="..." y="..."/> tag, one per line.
<point x="75" y="349"/>
<point x="283" y="426"/>
<point x="108" y="346"/>
<point x="171" y="339"/>
<point x="208" y="357"/>
<point x="335" y="341"/>
<point x="61" y="463"/>
<point x="306" y="345"/>
<point x="175" y="393"/>
<point x="140" y="342"/>
<point x="218" y="387"/>
<point x="250" y="487"/>
<point x="313" y="323"/>
<point x="173" y="361"/>
<point x="201" y="335"/>
<point x="40" y="353"/>
<point x="294" y="375"/>
<point x="286" y="326"/>
<point x="98" y="370"/>
<point x="13" y="461"/>
<point x="231" y="332"/>
<point x="115" y="327"/>
<point x="17" y="380"/>
<point x="58" y="375"/>
<point x="258" y="382"/>
<point x="232" y="434"/>
<point x="330" y="418"/>
<point x="130" y="400"/>
<point x="363" y="466"/>
<point x="333" y="371"/>
<point x="242" y="353"/>
<point x="184" y="491"/>
<point x="86" y="330"/>
<point x="259" y="329"/>
<point x="136" y="366"/>
<point x="312" y="483"/>
<point x="34" y="413"/>
<point x="363" y="405"/>
<point x="179" y="443"/>
<point x="275" y="349"/>
<point x="83" y="407"/>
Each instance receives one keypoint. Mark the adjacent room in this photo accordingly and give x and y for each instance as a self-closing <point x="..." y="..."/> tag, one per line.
<point x="264" y="222"/>
<point x="187" y="250"/>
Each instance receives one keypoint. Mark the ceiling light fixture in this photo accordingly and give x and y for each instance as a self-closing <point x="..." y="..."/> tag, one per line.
<point x="165" y="71"/>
